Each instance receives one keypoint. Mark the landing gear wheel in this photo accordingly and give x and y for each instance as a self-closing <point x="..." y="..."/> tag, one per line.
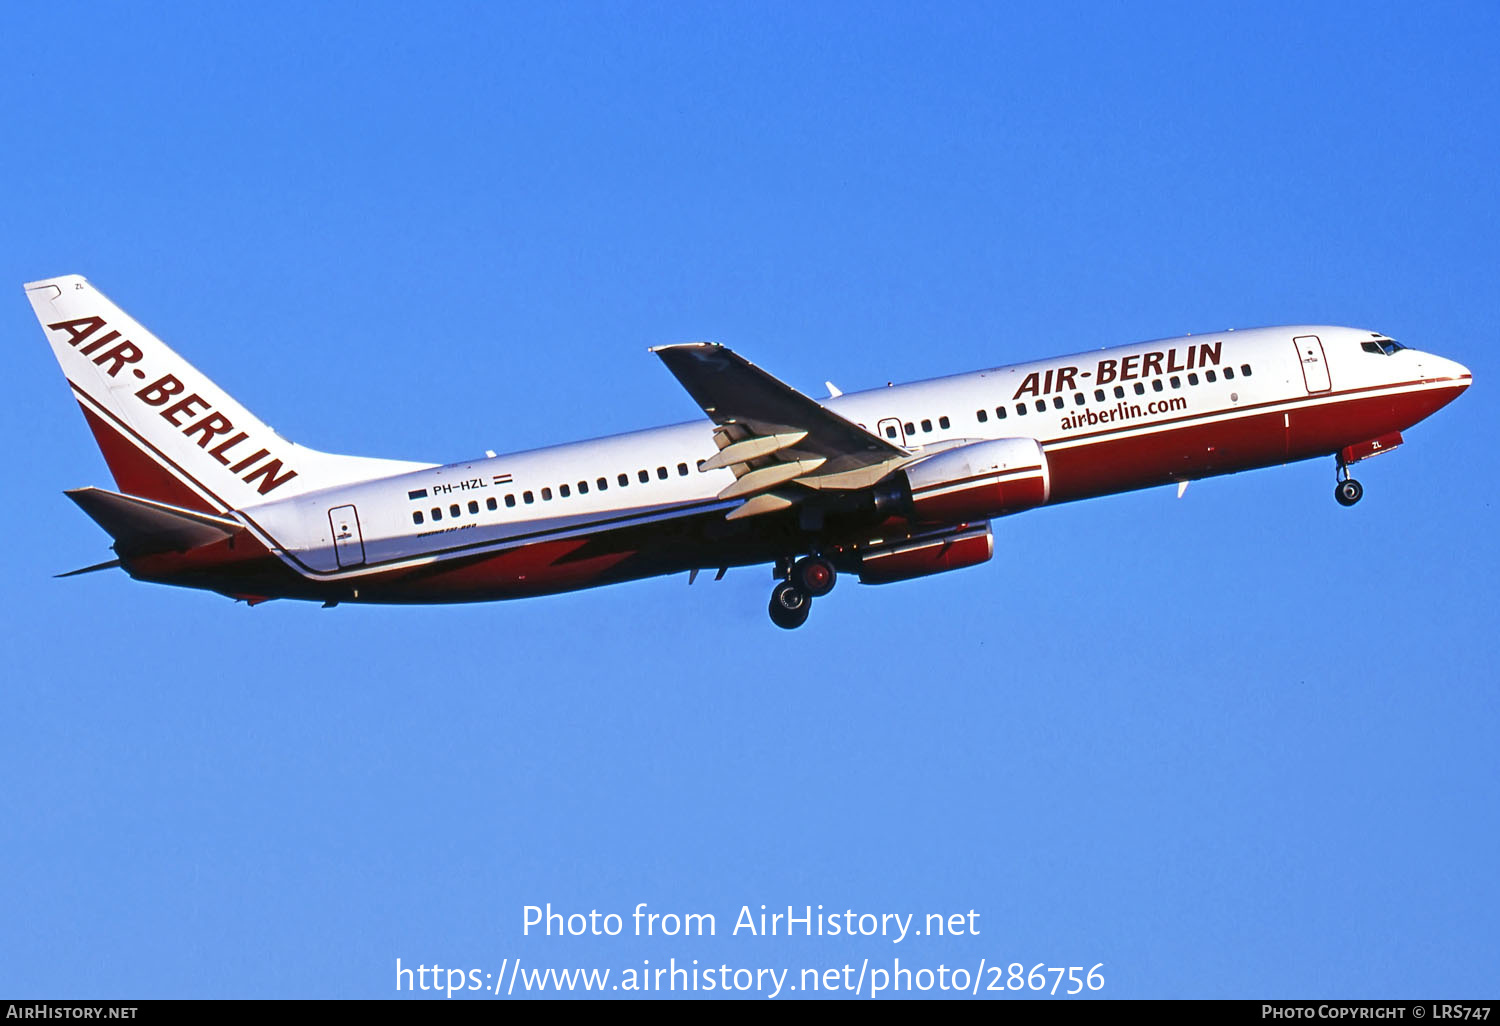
<point x="814" y="575"/>
<point x="1348" y="491"/>
<point x="789" y="605"/>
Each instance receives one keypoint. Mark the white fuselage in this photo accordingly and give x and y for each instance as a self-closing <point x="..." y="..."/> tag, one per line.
<point x="649" y="476"/>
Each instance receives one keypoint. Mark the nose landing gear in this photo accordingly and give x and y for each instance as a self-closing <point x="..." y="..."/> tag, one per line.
<point x="1347" y="491"/>
<point x="808" y="578"/>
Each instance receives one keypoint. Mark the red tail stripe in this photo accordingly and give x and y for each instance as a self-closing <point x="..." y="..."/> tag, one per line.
<point x="136" y="473"/>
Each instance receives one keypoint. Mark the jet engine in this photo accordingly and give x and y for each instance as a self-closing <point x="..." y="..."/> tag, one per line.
<point x="973" y="482"/>
<point x="931" y="554"/>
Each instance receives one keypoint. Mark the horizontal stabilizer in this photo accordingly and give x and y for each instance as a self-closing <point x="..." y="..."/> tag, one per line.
<point x="141" y="527"/>
<point x="109" y="565"/>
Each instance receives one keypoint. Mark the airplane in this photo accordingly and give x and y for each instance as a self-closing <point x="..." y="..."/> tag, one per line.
<point x="885" y="485"/>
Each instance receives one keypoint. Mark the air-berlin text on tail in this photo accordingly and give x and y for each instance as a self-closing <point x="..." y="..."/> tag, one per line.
<point x="756" y="921"/>
<point x="193" y="415"/>
<point x="1125" y="368"/>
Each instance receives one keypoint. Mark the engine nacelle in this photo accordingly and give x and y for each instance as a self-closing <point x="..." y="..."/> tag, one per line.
<point x="976" y="482"/>
<point x="933" y="554"/>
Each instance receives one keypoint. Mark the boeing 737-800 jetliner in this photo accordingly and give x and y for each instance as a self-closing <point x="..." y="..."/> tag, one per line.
<point x="887" y="485"/>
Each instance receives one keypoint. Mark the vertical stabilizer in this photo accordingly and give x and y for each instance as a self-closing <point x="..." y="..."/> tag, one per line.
<point x="166" y="431"/>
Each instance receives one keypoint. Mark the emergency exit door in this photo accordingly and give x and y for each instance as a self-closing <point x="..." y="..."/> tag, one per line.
<point x="348" y="542"/>
<point x="891" y="429"/>
<point x="1314" y="363"/>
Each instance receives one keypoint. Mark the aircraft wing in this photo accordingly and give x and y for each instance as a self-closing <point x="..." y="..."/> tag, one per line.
<point x="772" y="436"/>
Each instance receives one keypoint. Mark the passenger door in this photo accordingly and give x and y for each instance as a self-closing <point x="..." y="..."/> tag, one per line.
<point x="1314" y="363"/>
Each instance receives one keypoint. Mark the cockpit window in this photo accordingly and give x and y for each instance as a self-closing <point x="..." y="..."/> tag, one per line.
<point x="1385" y="345"/>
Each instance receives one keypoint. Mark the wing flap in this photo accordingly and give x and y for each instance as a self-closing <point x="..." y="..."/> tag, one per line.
<point x="766" y="502"/>
<point x="772" y="436"/>
<point x="752" y="448"/>
<point x="765" y="478"/>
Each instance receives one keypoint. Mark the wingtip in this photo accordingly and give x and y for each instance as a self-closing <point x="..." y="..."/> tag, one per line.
<point x="685" y="345"/>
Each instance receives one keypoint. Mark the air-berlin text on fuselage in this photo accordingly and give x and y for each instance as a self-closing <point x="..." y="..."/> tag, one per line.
<point x="1126" y="368"/>
<point x="193" y="414"/>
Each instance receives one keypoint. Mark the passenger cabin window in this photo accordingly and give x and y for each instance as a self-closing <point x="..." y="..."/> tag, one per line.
<point x="416" y="516"/>
<point x="981" y="416"/>
<point x="1000" y="412"/>
<point x="944" y="423"/>
<point x="682" y="470"/>
<point x="1156" y="385"/>
<point x="623" y="480"/>
<point x="473" y="506"/>
<point x="1245" y="369"/>
<point x="563" y="491"/>
<point x="437" y="513"/>
<point x="583" y="487"/>
<point x="1140" y="389"/>
<point x="911" y="428"/>
<point x="1228" y="373"/>
<point x="527" y="498"/>
<point x="643" y="475"/>
<point x="926" y="425"/>
<point x="890" y="431"/>
<point x="546" y="494"/>
<point x="490" y="504"/>
<point x="510" y="500"/>
<point x="1020" y="409"/>
<point x="1098" y="395"/>
<point x="661" y="472"/>
<point x="1041" y="406"/>
<point x="1057" y="401"/>
<point x="1210" y="376"/>
<point x="603" y="484"/>
<point x="1078" y="398"/>
<point x="1119" y="391"/>
<point x="1192" y="379"/>
<point x="453" y="510"/>
<point x="1176" y="381"/>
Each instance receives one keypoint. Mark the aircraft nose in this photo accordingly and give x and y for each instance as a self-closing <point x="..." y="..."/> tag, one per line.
<point x="1454" y="369"/>
<point x="1439" y="368"/>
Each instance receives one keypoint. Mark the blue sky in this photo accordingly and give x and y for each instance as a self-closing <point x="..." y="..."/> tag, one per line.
<point x="1241" y="744"/>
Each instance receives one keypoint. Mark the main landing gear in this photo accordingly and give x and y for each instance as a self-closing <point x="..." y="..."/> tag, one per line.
<point x="808" y="578"/>
<point x="1347" y="491"/>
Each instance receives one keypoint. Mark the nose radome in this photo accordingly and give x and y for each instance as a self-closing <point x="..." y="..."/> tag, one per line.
<point x="1454" y="369"/>
<point x="1439" y="368"/>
